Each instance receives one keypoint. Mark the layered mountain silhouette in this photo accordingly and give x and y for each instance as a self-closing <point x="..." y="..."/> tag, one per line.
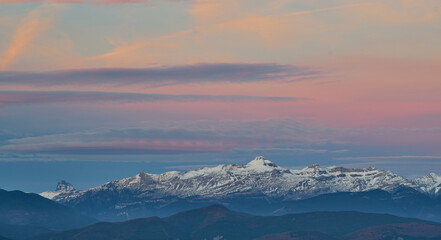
<point x="217" y="222"/>
<point x="263" y="201"/>
<point x="25" y="214"/>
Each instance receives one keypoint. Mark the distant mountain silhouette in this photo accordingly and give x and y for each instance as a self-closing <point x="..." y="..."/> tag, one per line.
<point x="217" y="222"/>
<point x="25" y="214"/>
<point x="404" y="202"/>
<point x="20" y="231"/>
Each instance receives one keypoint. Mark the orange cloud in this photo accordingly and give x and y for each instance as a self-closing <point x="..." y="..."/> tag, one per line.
<point x="36" y="22"/>
<point x="246" y="31"/>
<point x="219" y="27"/>
<point x="206" y="12"/>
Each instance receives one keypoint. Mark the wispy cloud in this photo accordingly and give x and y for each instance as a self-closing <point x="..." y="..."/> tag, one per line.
<point x="160" y="76"/>
<point x="122" y="141"/>
<point x="318" y="10"/>
<point x="132" y="141"/>
<point x="35" y="97"/>
<point x="36" y="23"/>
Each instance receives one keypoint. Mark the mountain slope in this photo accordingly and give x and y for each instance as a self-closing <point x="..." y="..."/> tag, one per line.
<point x="27" y="213"/>
<point x="18" y="232"/>
<point x="260" y="181"/>
<point x="430" y="183"/>
<point x="411" y="231"/>
<point x="3" y="238"/>
<point x="259" y="176"/>
<point x="217" y="222"/>
<point x="402" y="202"/>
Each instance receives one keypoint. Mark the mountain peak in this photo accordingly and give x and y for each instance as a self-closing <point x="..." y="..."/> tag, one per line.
<point x="431" y="179"/>
<point x="261" y="161"/>
<point x="64" y="186"/>
<point x="315" y="165"/>
<point x="313" y="169"/>
<point x="430" y="183"/>
<point x="433" y="175"/>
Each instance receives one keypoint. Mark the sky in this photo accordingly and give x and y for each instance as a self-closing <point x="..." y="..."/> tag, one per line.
<point x="96" y="90"/>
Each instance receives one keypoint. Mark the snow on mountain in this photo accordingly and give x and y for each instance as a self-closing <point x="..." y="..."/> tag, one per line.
<point x="260" y="177"/>
<point x="63" y="187"/>
<point x="431" y="183"/>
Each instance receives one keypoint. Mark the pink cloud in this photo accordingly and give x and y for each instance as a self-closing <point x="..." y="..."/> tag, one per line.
<point x="126" y="147"/>
<point x="37" y="22"/>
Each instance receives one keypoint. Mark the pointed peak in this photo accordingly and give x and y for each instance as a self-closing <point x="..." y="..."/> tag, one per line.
<point x="142" y="177"/>
<point x="433" y="176"/>
<point x="315" y="165"/>
<point x="261" y="161"/>
<point x="313" y="169"/>
<point x="371" y="168"/>
<point x="64" y="186"/>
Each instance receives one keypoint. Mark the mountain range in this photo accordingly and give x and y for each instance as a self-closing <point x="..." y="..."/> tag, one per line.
<point x="217" y="222"/>
<point x="259" y="187"/>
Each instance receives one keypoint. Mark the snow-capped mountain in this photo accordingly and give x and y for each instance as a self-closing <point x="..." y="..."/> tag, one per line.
<point x="259" y="187"/>
<point x="431" y="183"/>
<point x="260" y="177"/>
<point x="63" y="187"/>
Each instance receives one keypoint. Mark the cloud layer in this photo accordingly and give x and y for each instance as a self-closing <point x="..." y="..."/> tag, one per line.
<point x="225" y="137"/>
<point x="161" y="76"/>
<point x="35" y="97"/>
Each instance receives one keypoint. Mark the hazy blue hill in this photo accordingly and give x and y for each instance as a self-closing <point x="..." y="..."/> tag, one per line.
<point x="217" y="221"/>
<point x="407" y="231"/>
<point x="21" y="232"/>
<point x="299" y="235"/>
<point x="25" y="214"/>
<point x="404" y="202"/>
<point x="146" y="228"/>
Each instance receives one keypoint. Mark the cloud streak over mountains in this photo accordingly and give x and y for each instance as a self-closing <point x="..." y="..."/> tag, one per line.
<point x="34" y="97"/>
<point x="190" y="139"/>
<point x="162" y="76"/>
<point x="124" y="141"/>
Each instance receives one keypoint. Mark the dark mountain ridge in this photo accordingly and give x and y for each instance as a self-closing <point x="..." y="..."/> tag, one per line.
<point x="25" y="214"/>
<point x="217" y="222"/>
